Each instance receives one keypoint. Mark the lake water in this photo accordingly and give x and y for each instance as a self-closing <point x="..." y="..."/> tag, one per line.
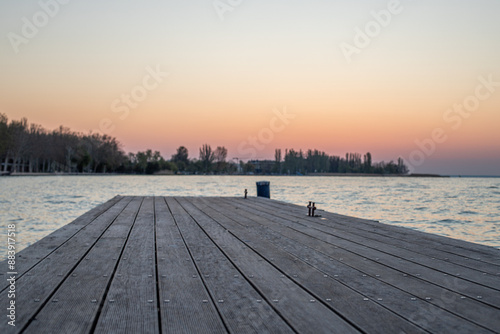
<point x="462" y="208"/>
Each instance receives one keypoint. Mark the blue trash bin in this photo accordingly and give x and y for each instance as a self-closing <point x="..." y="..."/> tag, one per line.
<point x="263" y="189"/>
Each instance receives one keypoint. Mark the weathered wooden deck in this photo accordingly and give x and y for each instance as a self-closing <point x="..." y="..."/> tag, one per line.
<point x="215" y="265"/>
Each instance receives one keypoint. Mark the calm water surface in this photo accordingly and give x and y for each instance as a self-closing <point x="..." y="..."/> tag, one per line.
<point x="462" y="208"/>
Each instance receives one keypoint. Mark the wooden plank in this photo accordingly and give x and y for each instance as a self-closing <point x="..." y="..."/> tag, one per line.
<point x="419" y="241"/>
<point x="185" y="304"/>
<point x="335" y="235"/>
<point x="74" y="306"/>
<point x="466" y="288"/>
<point x="335" y="295"/>
<point x="286" y="297"/>
<point x="421" y="253"/>
<point x="402" y="235"/>
<point x="39" y="283"/>
<point x="380" y="243"/>
<point x="458" y="247"/>
<point x="366" y="275"/>
<point x="243" y="309"/>
<point x="131" y="304"/>
<point x="217" y="265"/>
<point x="33" y="254"/>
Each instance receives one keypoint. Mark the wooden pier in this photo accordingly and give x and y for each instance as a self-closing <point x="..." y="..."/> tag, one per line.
<point x="234" y="265"/>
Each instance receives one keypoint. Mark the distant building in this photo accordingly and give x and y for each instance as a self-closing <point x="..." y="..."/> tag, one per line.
<point x="262" y="166"/>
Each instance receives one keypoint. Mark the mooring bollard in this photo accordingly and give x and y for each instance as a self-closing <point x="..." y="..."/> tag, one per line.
<point x="263" y="189"/>
<point x="311" y="212"/>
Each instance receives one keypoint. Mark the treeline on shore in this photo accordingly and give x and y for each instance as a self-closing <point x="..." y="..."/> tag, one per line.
<point x="29" y="148"/>
<point x="314" y="161"/>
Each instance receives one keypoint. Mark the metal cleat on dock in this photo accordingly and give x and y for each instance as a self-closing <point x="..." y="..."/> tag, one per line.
<point x="311" y="208"/>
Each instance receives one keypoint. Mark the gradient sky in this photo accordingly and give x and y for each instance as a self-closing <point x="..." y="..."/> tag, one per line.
<point x="227" y="76"/>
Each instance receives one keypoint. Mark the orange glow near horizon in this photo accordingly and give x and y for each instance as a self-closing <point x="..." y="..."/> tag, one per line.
<point x="225" y="78"/>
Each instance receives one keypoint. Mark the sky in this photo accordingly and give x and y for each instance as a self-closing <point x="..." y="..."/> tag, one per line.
<point x="413" y="79"/>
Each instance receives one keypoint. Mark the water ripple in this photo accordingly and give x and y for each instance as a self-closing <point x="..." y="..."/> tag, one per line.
<point x="463" y="208"/>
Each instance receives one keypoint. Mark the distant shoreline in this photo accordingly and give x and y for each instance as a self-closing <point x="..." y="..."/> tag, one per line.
<point x="376" y="175"/>
<point x="310" y="174"/>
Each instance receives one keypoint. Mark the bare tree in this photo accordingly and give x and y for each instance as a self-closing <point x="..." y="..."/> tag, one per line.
<point x="32" y="148"/>
<point x="277" y="159"/>
<point x="4" y="140"/>
<point x="19" y="142"/>
<point x="220" y="155"/>
<point x="207" y="158"/>
<point x="367" y="164"/>
<point x="35" y="146"/>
